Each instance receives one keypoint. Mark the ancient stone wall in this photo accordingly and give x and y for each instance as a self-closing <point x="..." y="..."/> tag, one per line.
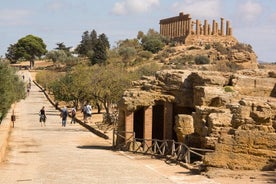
<point x="229" y="113"/>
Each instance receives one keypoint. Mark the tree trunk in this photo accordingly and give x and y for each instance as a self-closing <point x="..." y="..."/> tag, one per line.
<point x="31" y="63"/>
<point x="99" y="108"/>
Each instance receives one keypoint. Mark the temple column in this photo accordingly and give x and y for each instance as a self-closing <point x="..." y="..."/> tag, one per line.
<point x="166" y="30"/>
<point x="197" y="27"/>
<point x="205" y="27"/>
<point x="222" y="26"/>
<point x="217" y="31"/>
<point x="214" y="27"/>
<point x="189" y="26"/>
<point x="170" y="30"/>
<point x="148" y="126"/>
<point x="227" y="27"/>
<point x="230" y="31"/>
<point x="174" y="29"/>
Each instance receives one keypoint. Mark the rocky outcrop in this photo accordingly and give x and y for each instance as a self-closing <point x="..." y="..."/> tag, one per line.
<point x="232" y="113"/>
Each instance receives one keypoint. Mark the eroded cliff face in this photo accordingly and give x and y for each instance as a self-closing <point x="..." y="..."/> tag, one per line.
<point x="233" y="113"/>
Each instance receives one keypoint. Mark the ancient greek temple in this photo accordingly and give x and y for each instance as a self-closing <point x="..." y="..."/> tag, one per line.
<point x="180" y="27"/>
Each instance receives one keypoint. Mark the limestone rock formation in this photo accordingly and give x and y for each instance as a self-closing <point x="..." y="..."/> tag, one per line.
<point x="232" y="113"/>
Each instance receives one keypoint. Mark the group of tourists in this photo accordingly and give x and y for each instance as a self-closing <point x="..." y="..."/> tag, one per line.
<point x="64" y="114"/>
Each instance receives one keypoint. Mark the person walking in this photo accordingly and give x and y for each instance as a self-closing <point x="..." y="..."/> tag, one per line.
<point x="63" y="115"/>
<point x="84" y="112"/>
<point x="42" y="116"/>
<point x="89" y="111"/>
<point x="73" y="113"/>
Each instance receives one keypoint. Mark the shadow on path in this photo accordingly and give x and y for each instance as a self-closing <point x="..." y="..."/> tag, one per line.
<point x="95" y="147"/>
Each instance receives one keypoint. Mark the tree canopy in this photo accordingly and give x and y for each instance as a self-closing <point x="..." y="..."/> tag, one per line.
<point x="94" y="47"/>
<point x="152" y="41"/>
<point x="26" y="48"/>
<point x="12" y="88"/>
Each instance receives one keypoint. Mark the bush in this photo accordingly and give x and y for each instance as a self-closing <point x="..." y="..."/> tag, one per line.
<point x="207" y="46"/>
<point x="153" y="45"/>
<point x="228" y="89"/>
<point x="243" y="47"/>
<point x="220" y="48"/>
<point x="201" y="60"/>
<point x="145" y="54"/>
<point x="193" y="48"/>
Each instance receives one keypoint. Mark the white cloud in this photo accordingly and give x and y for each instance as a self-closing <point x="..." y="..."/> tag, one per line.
<point x="14" y="17"/>
<point x="249" y="11"/>
<point x="133" y="6"/>
<point x="199" y="9"/>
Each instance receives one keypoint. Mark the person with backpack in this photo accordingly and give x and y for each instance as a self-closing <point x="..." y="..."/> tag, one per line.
<point x="73" y="114"/>
<point x="84" y="110"/>
<point x="63" y="115"/>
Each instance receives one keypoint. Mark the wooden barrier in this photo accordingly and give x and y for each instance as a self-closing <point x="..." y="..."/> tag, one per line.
<point x="170" y="149"/>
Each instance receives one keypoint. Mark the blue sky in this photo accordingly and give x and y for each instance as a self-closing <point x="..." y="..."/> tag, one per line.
<point x="253" y="21"/>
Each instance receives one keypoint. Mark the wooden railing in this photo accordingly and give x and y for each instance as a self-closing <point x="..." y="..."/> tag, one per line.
<point x="170" y="149"/>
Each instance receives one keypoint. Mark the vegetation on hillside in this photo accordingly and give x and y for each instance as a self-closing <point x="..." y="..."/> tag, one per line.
<point x="94" y="73"/>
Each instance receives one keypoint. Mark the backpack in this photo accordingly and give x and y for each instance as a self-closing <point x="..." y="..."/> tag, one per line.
<point x="73" y="112"/>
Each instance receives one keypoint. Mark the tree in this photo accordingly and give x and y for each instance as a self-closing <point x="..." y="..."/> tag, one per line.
<point x="100" y="53"/>
<point x="12" y="89"/>
<point x="62" y="47"/>
<point x="11" y="54"/>
<point x="73" y="86"/>
<point x="127" y="53"/>
<point x="152" y="41"/>
<point x="56" y="55"/>
<point x="28" y="48"/>
<point x="87" y="44"/>
<point x="104" y="40"/>
<point x="108" y="84"/>
<point x="62" y="54"/>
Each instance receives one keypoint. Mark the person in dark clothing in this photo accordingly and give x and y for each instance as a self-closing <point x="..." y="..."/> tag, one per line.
<point x="73" y="113"/>
<point x="42" y="116"/>
<point x="63" y="115"/>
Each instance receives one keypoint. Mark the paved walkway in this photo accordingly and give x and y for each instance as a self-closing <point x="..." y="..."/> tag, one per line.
<point x="63" y="155"/>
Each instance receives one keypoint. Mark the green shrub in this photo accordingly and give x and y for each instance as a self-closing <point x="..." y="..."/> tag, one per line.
<point x="242" y="47"/>
<point x="193" y="48"/>
<point x="145" y="54"/>
<point x="228" y="89"/>
<point x="220" y="48"/>
<point x="201" y="60"/>
<point x="207" y="46"/>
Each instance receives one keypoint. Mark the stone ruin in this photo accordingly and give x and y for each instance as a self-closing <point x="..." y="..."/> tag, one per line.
<point x="185" y="30"/>
<point x="232" y="113"/>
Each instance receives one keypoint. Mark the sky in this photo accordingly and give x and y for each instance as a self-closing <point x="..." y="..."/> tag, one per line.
<point x="55" y="21"/>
